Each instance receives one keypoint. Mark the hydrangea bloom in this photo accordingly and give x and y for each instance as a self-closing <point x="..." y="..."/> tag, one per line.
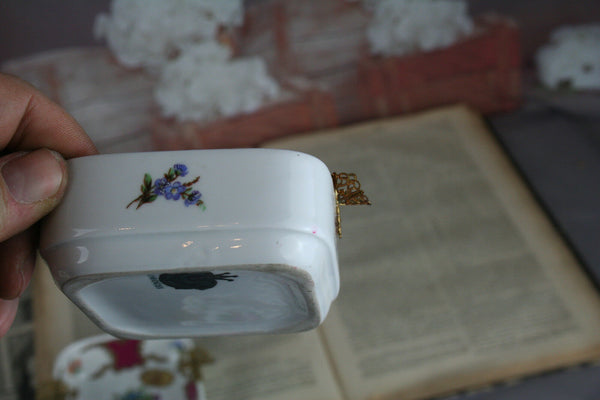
<point x="402" y="27"/>
<point x="572" y="58"/>
<point x="204" y="84"/>
<point x="147" y="33"/>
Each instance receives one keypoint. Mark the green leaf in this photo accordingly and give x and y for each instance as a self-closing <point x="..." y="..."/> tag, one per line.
<point x="147" y="181"/>
<point x="171" y="174"/>
<point x="151" y="198"/>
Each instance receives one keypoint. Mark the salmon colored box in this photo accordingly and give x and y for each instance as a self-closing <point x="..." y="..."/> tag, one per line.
<point x="482" y="71"/>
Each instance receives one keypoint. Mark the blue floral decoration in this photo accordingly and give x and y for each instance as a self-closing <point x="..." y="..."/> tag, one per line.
<point x="193" y="198"/>
<point x="174" y="191"/>
<point x="170" y="188"/>
<point x="139" y="394"/>
<point x="180" y="169"/>
<point x="160" y="185"/>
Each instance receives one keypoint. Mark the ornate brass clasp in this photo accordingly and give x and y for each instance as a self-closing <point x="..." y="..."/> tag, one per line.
<point x="347" y="193"/>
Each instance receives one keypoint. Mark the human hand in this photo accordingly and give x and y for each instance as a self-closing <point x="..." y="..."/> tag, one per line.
<point x="35" y="135"/>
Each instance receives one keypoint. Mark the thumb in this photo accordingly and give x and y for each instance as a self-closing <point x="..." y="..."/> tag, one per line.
<point x="31" y="185"/>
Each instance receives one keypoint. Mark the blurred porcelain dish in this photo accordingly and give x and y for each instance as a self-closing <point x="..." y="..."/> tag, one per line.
<point x="196" y="243"/>
<point x="103" y="368"/>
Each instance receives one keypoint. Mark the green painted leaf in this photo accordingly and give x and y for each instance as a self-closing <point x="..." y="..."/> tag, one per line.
<point x="147" y="181"/>
<point x="152" y="198"/>
<point x="171" y="174"/>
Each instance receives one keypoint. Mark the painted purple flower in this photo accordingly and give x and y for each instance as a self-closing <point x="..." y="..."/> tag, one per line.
<point x="180" y="169"/>
<point x="192" y="198"/>
<point x="160" y="185"/>
<point x="173" y="191"/>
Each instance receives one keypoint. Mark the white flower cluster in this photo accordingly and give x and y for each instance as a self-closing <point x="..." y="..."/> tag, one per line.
<point x="204" y="84"/>
<point x="176" y="40"/>
<point x="147" y="33"/>
<point x="402" y="27"/>
<point x="572" y="58"/>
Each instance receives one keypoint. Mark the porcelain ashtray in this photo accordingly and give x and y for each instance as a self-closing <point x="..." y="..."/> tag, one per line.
<point x="196" y="243"/>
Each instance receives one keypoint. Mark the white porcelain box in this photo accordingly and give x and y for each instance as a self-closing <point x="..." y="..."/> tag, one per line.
<point x="195" y="243"/>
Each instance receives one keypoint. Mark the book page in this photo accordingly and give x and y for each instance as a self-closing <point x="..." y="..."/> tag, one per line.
<point x="269" y="367"/>
<point x="453" y="278"/>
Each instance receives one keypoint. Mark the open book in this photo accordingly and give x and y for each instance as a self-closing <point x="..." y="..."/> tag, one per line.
<point x="453" y="279"/>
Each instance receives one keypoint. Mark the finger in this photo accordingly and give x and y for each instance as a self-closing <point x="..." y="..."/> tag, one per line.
<point x="17" y="259"/>
<point x="29" y="120"/>
<point x="31" y="184"/>
<point x="8" y="310"/>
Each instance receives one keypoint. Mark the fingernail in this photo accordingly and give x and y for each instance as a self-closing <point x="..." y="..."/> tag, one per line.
<point x="33" y="176"/>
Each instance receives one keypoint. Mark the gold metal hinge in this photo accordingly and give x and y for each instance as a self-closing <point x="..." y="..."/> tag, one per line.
<point x="347" y="192"/>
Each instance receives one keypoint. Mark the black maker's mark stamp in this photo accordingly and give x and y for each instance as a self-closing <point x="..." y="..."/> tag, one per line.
<point x="195" y="280"/>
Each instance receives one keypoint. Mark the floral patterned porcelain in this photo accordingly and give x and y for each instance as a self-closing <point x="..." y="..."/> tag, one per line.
<point x="169" y="187"/>
<point x="196" y="243"/>
<point x="105" y="368"/>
